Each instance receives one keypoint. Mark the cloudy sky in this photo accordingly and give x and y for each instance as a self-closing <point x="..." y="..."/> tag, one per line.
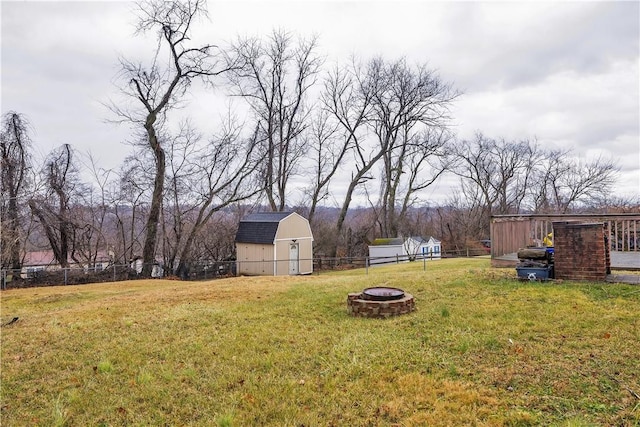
<point x="565" y="73"/>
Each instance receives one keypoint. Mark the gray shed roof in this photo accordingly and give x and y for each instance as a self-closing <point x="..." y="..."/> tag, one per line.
<point x="260" y="227"/>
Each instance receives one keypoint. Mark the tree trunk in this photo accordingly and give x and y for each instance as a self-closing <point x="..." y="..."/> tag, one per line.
<point x="59" y="250"/>
<point x="343" y="215"/>
<point x="149" y="249"/>
<point x="13" y="232"/>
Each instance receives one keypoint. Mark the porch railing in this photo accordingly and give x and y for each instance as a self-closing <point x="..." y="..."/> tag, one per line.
<point x="512" y="232"/>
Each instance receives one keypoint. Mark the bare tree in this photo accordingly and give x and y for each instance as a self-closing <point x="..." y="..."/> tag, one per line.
<point x="328" y="147"/>
<point x="159" y="87"/>
<point x="428" y="159"/>
<point x="398" y="105"/>
<point x="499" y="171"/>
<point x="229" y="179"/>
<point x="618" y="204"/>
<point x="203" y="181"/>
<point x="53" y="208"/>
<point x="127" y="195"/>
<point x="274" y="78"/>
<point x="178" y="206"/>
<point x="462" y="221"/>
<point x="14" y="165"/>
<point x="347" y="95"/>
<point x="564" y="182"/>
<point x="91" y="216"/>
<point x="502" y="177"/>
<point x="409" y="118"/>
<point x="541" y="192"/>
<point x="217" y="238"/>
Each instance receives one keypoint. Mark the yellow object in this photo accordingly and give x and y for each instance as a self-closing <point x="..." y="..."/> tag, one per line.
<point x="548" y="240"/>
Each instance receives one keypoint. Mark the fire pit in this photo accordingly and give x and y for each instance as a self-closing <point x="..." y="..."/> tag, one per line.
<point x="380" y="302"/>
<point x="382" y="294"/>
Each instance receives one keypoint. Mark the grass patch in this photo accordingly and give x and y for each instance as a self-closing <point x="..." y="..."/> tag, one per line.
<point x="482" y="349"/>
<point x="104" y="367"/>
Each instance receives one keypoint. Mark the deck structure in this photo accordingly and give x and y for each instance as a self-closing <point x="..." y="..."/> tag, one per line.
<point x="512" y="232"/>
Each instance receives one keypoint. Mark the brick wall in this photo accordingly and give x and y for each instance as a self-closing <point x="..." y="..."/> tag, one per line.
<point x="581" y="251"/>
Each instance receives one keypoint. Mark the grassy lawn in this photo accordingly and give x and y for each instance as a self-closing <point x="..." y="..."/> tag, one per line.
<point x="482" y="349"/>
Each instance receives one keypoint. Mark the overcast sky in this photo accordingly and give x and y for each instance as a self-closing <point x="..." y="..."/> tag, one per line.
<point x="565" y="73"/>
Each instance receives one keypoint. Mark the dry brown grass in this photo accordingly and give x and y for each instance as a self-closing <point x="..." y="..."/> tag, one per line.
<point x="482" y="349"/>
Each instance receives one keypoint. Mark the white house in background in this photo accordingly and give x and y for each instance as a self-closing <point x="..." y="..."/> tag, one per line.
<point x="36" y="261"/>
<point x="386" y="250"/>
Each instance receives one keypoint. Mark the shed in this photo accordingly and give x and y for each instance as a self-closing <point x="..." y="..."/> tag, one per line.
<point x="274" y="244"/>
<point x="384" y="250"/>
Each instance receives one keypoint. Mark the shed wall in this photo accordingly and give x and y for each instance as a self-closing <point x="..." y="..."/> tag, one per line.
<point x="254" y="259"/>
<point x="385" y="253"/>
<point x="294" y="227"/>
<point x="305" y="256"/>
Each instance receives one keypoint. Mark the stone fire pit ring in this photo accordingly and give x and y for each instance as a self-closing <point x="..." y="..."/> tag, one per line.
<point x="380" y="302"/>
<point x="382" y="293"/>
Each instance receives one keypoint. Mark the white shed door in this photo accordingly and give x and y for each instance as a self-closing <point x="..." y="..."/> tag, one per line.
<point x="294" y="251"/>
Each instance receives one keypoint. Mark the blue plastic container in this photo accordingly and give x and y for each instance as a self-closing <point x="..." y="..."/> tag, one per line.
<point x="535" y="273"/>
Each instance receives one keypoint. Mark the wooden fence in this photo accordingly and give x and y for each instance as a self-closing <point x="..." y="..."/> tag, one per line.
<point x="512" y="232"/>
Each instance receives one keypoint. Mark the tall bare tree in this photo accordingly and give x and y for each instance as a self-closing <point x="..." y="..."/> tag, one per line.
<point x="203" y="180"/>
<point x="14" y="166"/>
<point x="499" y="171"/>
<point x="91" y="216"/>
<point x="564" y="182"/>
<point x="410" y="106"/>
<point x="178" y="207"/>
<point x="327" y="149"/>
<point x="503" y="177"/>
<point x="429" y="157"/>
<point x="157" y="88"/>
<point x="397" y="104"/>
<point x="274" y="77"/>
<point x="348" y="95"/>
<point x="127" y="198"/>
<point x="53" y="206"/>
<point x="549" y="166"/>
<point x="229" y="177"/>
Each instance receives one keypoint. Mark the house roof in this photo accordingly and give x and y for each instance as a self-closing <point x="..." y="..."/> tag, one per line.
<point x="421" y="240"/>
<point x="35" y="258"/>
<point x="388" y="241"/>
<point x="43" y="258"/>
<point x="260" y="227"/>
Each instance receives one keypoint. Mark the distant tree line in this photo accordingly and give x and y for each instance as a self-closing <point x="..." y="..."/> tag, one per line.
<point x="377" y="129"/>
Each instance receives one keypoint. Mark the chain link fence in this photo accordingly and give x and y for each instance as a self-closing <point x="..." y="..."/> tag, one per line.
<point x="56" y="276"/>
